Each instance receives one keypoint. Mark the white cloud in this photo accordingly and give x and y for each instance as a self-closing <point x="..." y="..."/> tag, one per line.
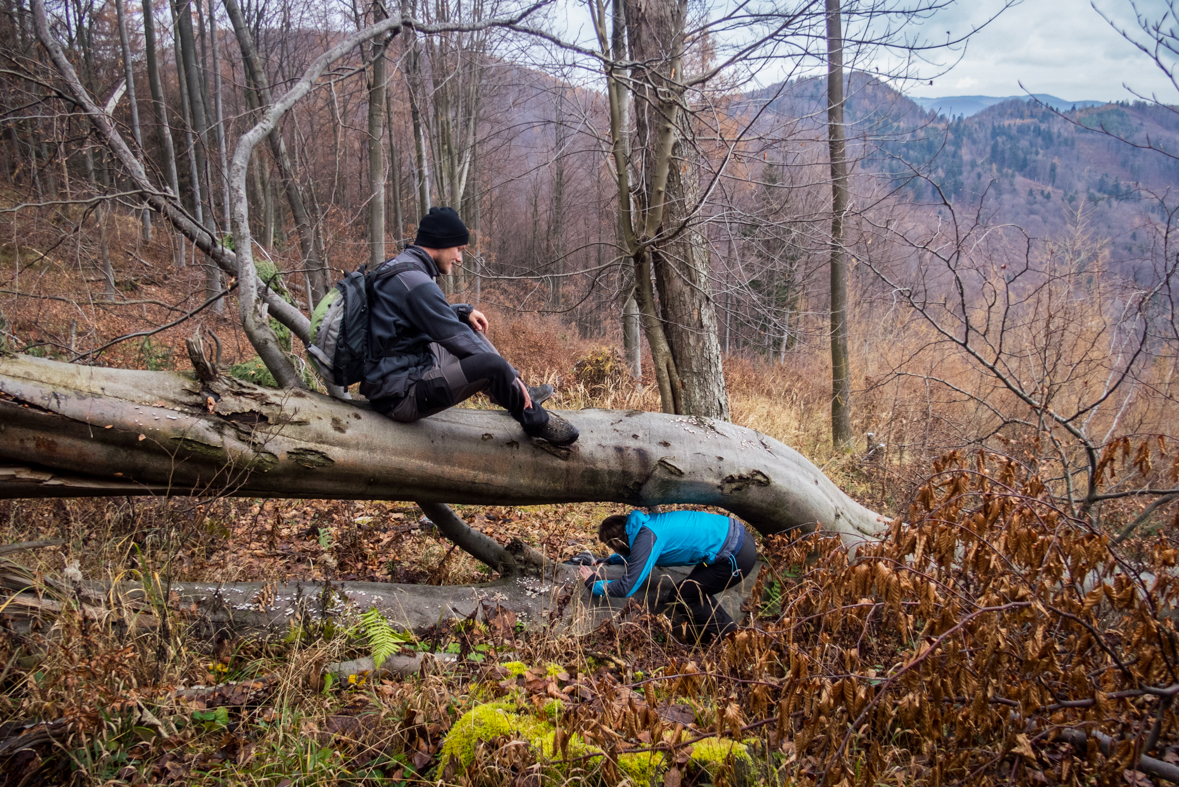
<point x="1061" y="47"/>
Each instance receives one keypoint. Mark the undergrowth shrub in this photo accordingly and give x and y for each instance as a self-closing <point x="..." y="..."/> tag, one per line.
<point x="968" y="643"/>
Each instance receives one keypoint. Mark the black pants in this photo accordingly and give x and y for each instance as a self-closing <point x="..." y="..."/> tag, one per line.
<point x="453" y="380"/>
<point x="696" y="593"/>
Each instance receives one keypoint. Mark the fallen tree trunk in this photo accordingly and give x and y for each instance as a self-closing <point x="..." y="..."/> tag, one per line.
<point x="70" y="431"/>
<point x="557" y="600"/>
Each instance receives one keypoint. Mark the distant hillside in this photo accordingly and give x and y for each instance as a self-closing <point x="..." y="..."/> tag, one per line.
<point x="1025" y="164"/>
<point x="967" y="106"/>
<point x="1036" y="169"/>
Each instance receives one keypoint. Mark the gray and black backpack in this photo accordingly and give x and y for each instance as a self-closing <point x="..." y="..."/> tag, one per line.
<point x="339" y="325"/>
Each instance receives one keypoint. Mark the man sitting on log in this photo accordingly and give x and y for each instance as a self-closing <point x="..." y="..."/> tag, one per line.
<point x="428" y="355"/>
<point x="721" y="548"/>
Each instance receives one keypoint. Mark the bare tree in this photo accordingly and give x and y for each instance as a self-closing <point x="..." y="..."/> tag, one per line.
<point x="841" y="433"/>
<point x="656" y="199"/>
<point x="133" y="104"/>
<point x="378" y="97"/>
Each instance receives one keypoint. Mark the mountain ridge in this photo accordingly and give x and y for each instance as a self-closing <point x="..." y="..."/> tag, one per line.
<point x="968" y="106"/>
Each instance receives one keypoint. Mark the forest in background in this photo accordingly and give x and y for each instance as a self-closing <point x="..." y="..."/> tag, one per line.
<point x="1012" y="339"/>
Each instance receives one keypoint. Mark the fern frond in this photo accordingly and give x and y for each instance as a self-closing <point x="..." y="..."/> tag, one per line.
<point x="382" y="640"/>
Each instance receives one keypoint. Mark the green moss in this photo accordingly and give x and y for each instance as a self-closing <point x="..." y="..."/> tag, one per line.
<point x="488" y="721"/>
<point x="553" y="670"/>
<point x="711" y="754"/>
<point x="504" y="718"/>
<point x="553" y="708"/>
<point x="254" y="371"/>
<point x="515" y="668"/>
<point x="641" y="768"/>
<point x="271" y="277"/>
<point x="577" y="746"/>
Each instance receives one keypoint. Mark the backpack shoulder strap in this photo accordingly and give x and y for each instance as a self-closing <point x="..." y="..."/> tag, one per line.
<point x="386" y="270"/>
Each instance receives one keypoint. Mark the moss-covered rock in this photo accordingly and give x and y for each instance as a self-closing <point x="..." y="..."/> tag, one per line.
<point x="489" y="721"/>
<point x="504" y="718"/>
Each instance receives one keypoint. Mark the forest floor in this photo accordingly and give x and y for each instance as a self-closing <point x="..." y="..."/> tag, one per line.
<point x="844" y="673"/>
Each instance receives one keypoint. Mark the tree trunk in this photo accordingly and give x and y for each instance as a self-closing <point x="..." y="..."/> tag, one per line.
<point x="683" y="273"/>
<point x="394" y="170"/>
<point x="164" y="131"/>
<point x="219" y="110"/>
<point x="89" y="431"/>
<point x="634" y="219"/>
<point x="631" y="345"/>
<point x="194" y="168"/>
<point x="129" y="75"/>
<point x="679" y="258"/>
<point x="556" y="598"/>
<point x="841" y="432"/>
<point x="186" y="43"/>
<point x="376" y="159"/>
<point x="421" y="159"/>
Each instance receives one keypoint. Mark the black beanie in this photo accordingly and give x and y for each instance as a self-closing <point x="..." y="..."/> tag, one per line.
<point x="442" y="228"/>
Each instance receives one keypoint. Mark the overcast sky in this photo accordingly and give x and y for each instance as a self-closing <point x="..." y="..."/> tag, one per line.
<point x="1061" y="47"/>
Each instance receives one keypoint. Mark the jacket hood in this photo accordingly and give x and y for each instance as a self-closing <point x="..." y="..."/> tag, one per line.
<point x="635" y="520"/>
<point x="423" y="256"/>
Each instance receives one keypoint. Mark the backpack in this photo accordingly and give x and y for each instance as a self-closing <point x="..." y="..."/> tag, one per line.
<point x="339" y="325"/>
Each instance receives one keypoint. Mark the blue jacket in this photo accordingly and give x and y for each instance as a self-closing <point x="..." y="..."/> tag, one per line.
<point x="677" y="538"/>
<point x="408" y="312"/>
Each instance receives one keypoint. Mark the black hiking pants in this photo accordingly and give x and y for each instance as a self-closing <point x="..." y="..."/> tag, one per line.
<point x="697" y="592"/>
<point x="453" y="380"/>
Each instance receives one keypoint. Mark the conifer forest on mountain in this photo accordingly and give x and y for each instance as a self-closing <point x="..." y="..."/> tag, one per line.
<point x="931" y="361"/>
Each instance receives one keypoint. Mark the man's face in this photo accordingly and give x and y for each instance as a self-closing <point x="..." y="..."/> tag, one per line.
<point x="446" y="259"/>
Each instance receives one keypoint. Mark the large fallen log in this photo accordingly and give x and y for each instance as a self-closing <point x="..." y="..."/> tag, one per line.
<point x="69" y="431"/>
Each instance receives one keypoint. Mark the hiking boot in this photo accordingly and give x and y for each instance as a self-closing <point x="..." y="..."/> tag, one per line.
<point x="558" y="431"/>
<point x="540" y="393"/>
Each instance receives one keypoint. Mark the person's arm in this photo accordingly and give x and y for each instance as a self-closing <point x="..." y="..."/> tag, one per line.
<point x="643" y="554"/>
<point x="471" y="316"/>
<point x="427" y="310"/>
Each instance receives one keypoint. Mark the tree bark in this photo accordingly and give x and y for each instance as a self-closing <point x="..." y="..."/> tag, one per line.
<point x="394" y="167"/>
<point x="186" y="42"/>
<point x="421" y="160"/>
<point x="167" y="149"/>
<point x="376" y="158"/>
<point x="129" y="75"/>
<point x="631" y="345"/>
<point x="219" y="109"/>
<point x="87" y="431"/>
<point x="841" y="433"/>
<point x="192" y="146"/>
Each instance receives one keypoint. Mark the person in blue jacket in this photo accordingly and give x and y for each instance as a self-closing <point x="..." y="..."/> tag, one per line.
<point x="720" y="547"/>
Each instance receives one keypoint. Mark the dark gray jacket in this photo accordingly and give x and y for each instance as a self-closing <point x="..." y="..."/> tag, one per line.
<point x="408" y="312"/>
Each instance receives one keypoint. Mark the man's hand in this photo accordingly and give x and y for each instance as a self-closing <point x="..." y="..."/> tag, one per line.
<point x="527" y="398"/>
<point x="586" y="572"/>
<point x="478" y="321"/>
